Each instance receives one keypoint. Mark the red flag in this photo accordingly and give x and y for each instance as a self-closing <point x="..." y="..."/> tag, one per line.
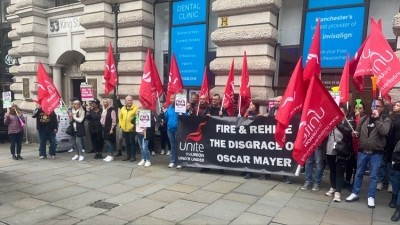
<point x="313" y="64"/>
<point x="110" y="72"/>
<point x="205" y="89"/>
<point x="320" y="115"/>
<point x="175" y="84"/>
<point x="229" y="94"/>
<point x="147" y="94"/>
<point x="156" y="78"/>
<point x="344" y="82"/>
<point x="358" y="82"/>
<point x="245" y="94"/>
<point x="48" y="96"/>
<point x="378" y="58"/>
<point x="291" y="103"/>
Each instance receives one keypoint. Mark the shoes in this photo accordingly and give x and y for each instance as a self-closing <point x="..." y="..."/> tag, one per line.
<point x="106" y="158"/>
<point x="396" y="215"/>
<point x="392" y="203"/>
<point x="169" y="152"/>
<point x="248" y="176"/>
<point x="153" y="153"/>
<point x="109" y="158"/>
<point x="71" y="150"/>
<point x="179" y="167"/>
<point x="119" y="153"/>
<point x="141" y="163"/>
<point x="203" y="170"/>
<point x="83" y="150"/>
<point x="53" y="157"/>
<point x="390" y="188"/>
<point x="306" y="185"/>
<point x="315" y="187"/>
<point x="371" y="202"/>
<point x="42" y="157"/>
<point x="19" y="157"/>
<point x="287" y="180"/>
<point x="147" y="164"/>
<point x="352" y="197"/>
<point x="262" y="177"/>
<point x="162" y="152"/>
<point x="171" y="165"/>
<point x="75" y="157"/>
<point x="14" y="157"/>
<point x="337" y="197"/>
<point x="330" y="192"/>
<point x="379" y="186"/>
<point x="81" y="158"/>
<point x="127" y="158"/>
<point x="132" y="159"/>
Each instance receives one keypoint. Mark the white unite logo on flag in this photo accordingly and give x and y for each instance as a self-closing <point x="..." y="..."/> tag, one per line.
<point x="311" y="126"/>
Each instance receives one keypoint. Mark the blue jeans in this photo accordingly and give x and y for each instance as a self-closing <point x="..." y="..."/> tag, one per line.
<point x="15" y="143"/>
<point x="129" y="138"/>
<point x="395" y="178"/>
<point x="172" y="140"/>
<point x="317" y="157"/>
<point x="144" y="145"/>
<point x="383" y="172"/>
<point x="44" y="135"/>
<point x="374" y="161"/>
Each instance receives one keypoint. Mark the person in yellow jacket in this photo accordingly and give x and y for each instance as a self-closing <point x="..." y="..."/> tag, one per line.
<point x="126" y="118"/>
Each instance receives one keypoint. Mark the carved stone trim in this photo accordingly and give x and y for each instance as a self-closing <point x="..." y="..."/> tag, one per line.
<point x="256" y="34"/>
<point x="235" y="7"/>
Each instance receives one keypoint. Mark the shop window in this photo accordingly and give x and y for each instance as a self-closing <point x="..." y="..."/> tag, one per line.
<point x="65" y="2"/>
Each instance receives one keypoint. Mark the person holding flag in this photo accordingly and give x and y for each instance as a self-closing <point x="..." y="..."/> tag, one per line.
<point x="47" y="126"/>
<point x="372" y="133"/>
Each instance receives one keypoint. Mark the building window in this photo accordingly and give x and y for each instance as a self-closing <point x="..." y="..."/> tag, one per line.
<point x="65" y="2"/>
<point x="3" y="10"/>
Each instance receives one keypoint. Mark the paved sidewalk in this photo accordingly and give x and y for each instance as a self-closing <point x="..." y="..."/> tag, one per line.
<point x="34" y="191"/>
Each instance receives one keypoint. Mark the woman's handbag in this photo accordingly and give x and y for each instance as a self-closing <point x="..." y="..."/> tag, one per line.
<point x="70" y="130"/>
<point x="341" y="148"/>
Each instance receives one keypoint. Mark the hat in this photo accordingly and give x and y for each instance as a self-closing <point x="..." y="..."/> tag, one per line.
<point x="96" y="101"/>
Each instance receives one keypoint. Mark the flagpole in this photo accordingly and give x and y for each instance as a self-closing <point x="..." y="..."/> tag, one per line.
<point x="240" y="105"/>
<point x="222" y="104"/>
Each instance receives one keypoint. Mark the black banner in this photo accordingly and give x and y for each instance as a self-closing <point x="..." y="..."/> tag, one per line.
<point x="235" y="144"/>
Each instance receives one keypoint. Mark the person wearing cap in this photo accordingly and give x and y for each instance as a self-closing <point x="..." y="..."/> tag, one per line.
<point x="93" y="115"/>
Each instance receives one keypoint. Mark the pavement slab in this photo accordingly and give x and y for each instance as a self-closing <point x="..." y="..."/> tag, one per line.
<point x="257" y="188"/>
<point x="102" y="219"/>
<point x="178" y="210"/>
<point x="150" y="220"/>
<point x="237" y="197"/>
<point x="224" y="209"/>
<point x="346" y="217"/>
<point x="80" y="200"/>
<point x="166" y="196"/>
<point x="182" y="188"/>
<point x="221" y="186"/>
<point x="250" y="218"/>
<point x="27" y="203"/>
<point x="62" y="193"/>
<point x="35" y="215"/>
<point x="135" y="209"/>
<point x="203" y="196"/>
<point x="197" y="219"/>
<point x="86" y="212"/>
<point x="290" y="215"/>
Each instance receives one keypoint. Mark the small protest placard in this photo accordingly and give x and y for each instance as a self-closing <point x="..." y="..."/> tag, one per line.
<point x="180" y="103"/>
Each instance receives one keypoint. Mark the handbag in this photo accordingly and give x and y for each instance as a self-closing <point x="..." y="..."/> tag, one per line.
<point x="70" y="130"/>
<point x="341" y="148"/>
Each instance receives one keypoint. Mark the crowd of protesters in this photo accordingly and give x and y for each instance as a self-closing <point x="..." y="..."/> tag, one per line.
<point x="363" y="143"/>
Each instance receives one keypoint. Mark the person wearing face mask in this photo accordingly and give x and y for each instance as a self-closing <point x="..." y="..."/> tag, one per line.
<point x="372" y="133"/>
<point x="15" y="131"/>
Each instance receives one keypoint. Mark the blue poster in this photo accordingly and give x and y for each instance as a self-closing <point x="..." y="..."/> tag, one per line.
<point x="341" y="34"/>
<point x="314" y="4"/>
<point x="189" y="11"/>
<point x="188" y="43"/>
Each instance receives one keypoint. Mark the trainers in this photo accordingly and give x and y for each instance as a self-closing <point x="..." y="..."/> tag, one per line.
<point x="71" y="150"/>
<point x="390" y="188"/>
<point x="42" y="157"/>
<point x="169" y="152"/>
<point x="141" y="163"/>
<point x="306" y="185"/>
<point x="352" y="197"/>
<point x="287" y="180"/>
<point x="162" y="152"/>
<point x="248" y="176"/>
<point x="81" y="158"/>
<point x="147" y="164"/>
<point x="371" y="202"/>
<point x="337" y="197"/>
<point x="178" y="166"/>
<point x="153" y="153"/>
<point x="14" y="157"/>
<point x="53" y="157"/>
<point x="315" y="187"/>
<point x="379" y="186"/>
<point x="106" y="158"/>
<point x="110" y="158"/>
<point x="330" y="192"/>
<point x="171" y="165"/>
<point x="83" y="150"/>
<point x="19" y="157"/>
<point x="75" y="157"/>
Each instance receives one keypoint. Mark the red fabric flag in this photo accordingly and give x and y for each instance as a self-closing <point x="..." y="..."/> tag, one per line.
<point x="205" y="89"/>
<point x="48" y="96"/>
<point x="175" y="84"/>
<point x="110" y="72"/>
<point x="229" y="94"/>
<point x="291" y="103"/>
<point x="156" y="78"/>
<point x="147" y="94"/>
<point x="378" y="59"/>
<point x="320" y="115"/>
<point x="344" y="82"/>
<point x="313" y="64"/>
<point x="358" y="82"/>
<point x="245" y="94"/>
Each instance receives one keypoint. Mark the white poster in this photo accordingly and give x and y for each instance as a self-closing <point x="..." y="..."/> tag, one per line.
<point x="180" y="103"/>
<point x="7" y="101"/>
<point x="144" y="118"/>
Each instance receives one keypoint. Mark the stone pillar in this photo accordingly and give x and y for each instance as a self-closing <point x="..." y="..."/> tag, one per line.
<point x="135" y="23"/>
<point x="249" y="26"/>
<point x="57" y="77"/>
<point x="396" y="30"/>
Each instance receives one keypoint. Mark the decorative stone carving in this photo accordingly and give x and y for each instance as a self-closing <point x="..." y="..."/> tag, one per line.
<point x="99" y="44"/>
<point x="33" y="50"/>
<point x="34" y="3"/>
<point x="13" y="35"/>
<point x="234" y="7"/>
<point x="136" y="18"/>
<point x="396" y="24"/>
<point x="32" y="30"/>
<point x="256" y="34"/>
<point x="140" y="43"/>
<point x="258" y="65"/>
<point x="96" y="20"/>
<point x="131" y="68"/>
<point x="93" y="68"/>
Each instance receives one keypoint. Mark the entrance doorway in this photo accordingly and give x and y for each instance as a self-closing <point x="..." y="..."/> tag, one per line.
<point x="76" y="84"/>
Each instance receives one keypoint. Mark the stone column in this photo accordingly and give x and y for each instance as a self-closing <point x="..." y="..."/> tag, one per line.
<point x="135" y="22"/>
<point x="249" y="26"/>
<point x="396" y="30"/>
<point x="57" y="77"/>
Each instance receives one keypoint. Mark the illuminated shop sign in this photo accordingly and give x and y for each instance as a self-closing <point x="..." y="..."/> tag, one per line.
<point x="189" y="11"/>
<point x="314" y="4"/>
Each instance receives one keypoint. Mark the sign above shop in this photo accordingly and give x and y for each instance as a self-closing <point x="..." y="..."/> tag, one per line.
<point x="189" y="11"/>
<point x="314" y="4"/>
<point x="63" y="25"/>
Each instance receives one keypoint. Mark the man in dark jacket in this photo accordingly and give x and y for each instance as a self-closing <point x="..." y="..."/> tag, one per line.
<point x="215" y="108"/>
<point x="47" y="125"/>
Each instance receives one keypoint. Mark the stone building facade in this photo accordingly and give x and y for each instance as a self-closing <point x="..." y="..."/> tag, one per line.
<point x="71" y="41"/>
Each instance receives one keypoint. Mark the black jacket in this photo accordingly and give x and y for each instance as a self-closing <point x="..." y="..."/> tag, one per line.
<point x="214" y="111"/>
<point x="94" y="121"/>
<point x="44" y="121"/>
